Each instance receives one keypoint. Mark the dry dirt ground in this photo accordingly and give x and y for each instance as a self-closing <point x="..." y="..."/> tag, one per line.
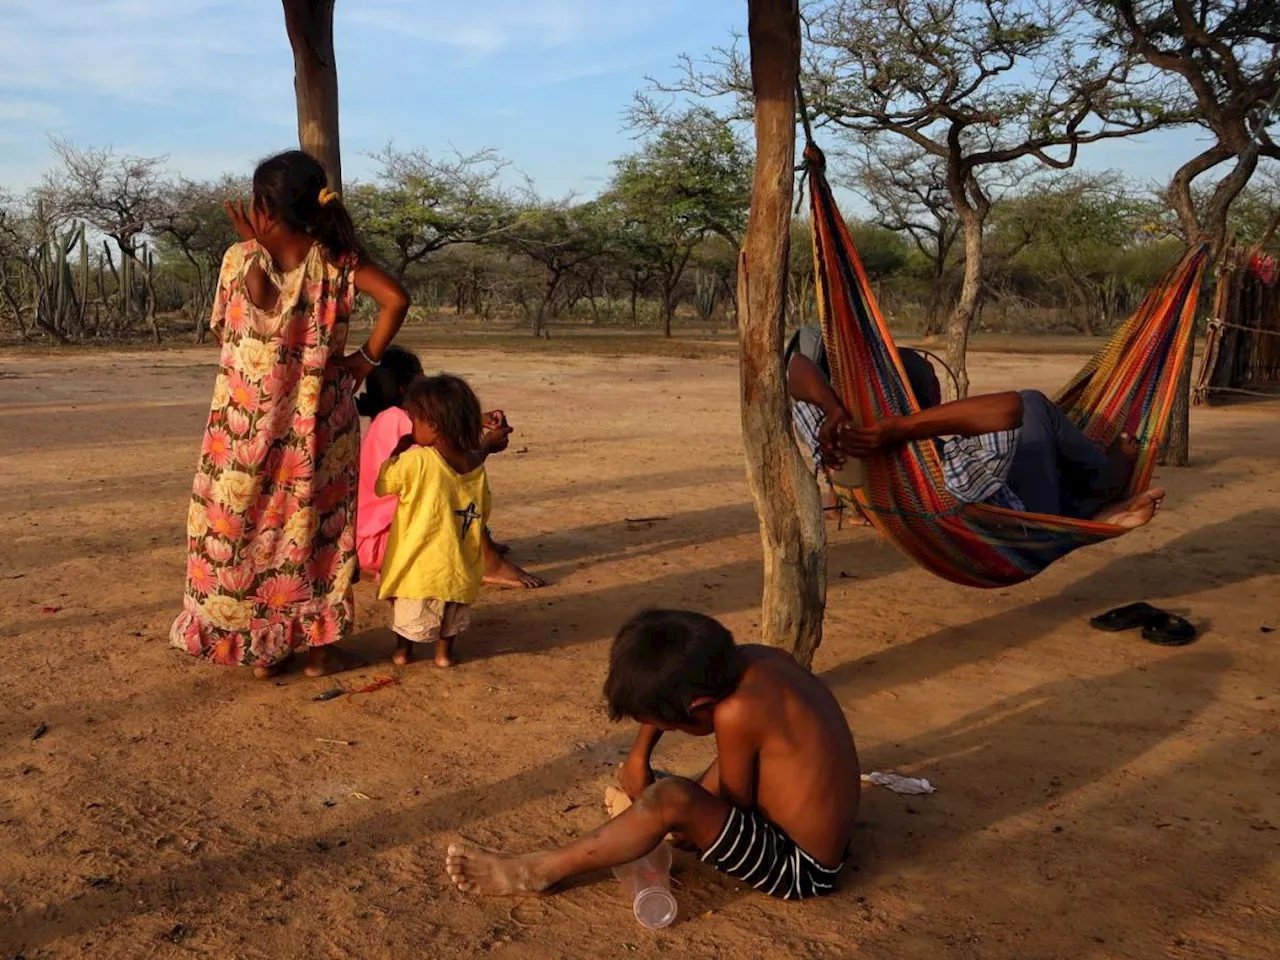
<point x="1097" y="796"/>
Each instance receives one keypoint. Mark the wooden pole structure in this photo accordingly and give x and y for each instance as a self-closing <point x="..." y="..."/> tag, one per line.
<point x="782" y="486"/>
<point x="315" y="82"/>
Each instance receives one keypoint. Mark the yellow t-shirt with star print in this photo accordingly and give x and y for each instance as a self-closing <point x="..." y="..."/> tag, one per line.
<point x="433" y="548"/>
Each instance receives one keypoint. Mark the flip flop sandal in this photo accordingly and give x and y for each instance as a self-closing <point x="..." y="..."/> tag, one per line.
<point x="1169" y="630"/>
<point x="1128" y="617"/>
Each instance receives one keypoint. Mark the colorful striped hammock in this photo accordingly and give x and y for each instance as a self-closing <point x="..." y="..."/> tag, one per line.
<point x="1129" y="386"/>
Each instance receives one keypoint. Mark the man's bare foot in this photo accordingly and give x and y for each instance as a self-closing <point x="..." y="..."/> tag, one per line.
<point x="404" y="654"/>
<point x="1135" y="512"/>
<point x="476" y="870"/>
<point x="444" y="652"/>
<point x="265" y="671"/>
<point x="506" y="574"/>
<point x="1123" y="455"/>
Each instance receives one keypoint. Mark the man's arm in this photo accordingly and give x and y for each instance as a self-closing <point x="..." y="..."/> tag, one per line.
<point x="637" y="771"/>
<point x="989" y="413"/>
<point x="808" y="384"/>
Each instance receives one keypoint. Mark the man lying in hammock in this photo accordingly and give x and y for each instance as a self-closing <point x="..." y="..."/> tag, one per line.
<point x="1014" y="450"/>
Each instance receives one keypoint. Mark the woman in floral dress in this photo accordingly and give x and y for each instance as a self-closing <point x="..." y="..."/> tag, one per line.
<point x="271" y="527"/>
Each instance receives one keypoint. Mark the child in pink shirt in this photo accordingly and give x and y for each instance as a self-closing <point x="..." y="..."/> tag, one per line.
<point x="383" y="393"/>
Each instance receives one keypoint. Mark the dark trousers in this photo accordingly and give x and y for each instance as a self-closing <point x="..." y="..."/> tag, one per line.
<point x="1056" y="469"/>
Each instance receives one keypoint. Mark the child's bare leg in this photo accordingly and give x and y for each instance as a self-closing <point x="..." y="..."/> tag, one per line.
<point x="670" y="804"/>
<point x="404" y="654"/>
<point x="444" y="651"/>
<point x="501" y="572"/>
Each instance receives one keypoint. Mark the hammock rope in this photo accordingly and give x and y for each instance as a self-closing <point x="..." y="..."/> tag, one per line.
<point x="1127" y="387"/>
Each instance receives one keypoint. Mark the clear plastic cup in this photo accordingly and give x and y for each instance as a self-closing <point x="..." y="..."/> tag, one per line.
<point x="648" y="882"/>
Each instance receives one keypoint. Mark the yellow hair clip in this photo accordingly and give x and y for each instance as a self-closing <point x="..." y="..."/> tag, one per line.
<point x="327" y="196"/>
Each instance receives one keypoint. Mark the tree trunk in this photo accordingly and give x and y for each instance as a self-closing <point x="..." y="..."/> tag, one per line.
<point x="1177" y="451"/>
<point x="315" y="81"/>
<point x="786" y="498"/>
<point x="967" y="307"/>
<point x="668" y="308"/>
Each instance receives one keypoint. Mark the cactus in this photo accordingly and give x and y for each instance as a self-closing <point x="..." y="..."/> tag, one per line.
<point x="84" y="277"/>
<point x="57" y="307"/>
<point x="705" y="295"/>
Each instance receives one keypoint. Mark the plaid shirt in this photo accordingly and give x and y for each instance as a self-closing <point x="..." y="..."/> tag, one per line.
<point x="976" y="469"/>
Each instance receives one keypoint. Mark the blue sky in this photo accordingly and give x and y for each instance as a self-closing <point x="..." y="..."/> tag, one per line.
<point x="210" y="82"/>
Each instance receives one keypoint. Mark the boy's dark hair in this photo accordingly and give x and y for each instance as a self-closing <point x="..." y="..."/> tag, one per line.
<point x="287" y="186"/>
<point x="663" y="660"/>
<point x="386" y="385"/>
<point x="448" y="404"/>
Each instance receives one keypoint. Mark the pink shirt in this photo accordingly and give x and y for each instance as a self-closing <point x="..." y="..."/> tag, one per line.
<point x="374" y="513"/>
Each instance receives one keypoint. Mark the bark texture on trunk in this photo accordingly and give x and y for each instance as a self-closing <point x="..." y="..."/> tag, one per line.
<point x="782" y="486"/>
<point x="967" y="307"/>
<point x="315" y="82"/>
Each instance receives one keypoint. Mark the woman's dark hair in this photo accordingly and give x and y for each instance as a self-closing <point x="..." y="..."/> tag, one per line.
<point x="449" y="405"/>
<point x="663" y="660"/>
<point x="288" y="185"/>
<point x="385" y="387"/>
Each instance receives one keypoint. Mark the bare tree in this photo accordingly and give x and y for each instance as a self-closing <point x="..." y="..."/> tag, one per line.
<point x="907" y="190"/>
<point x="122" y="196"/>
<point x="974" y="83"/>
<point x="786" y="498"/>
<point x="192" y="222"/>
<point x="315" y="81"/>
<point x="1227" y="53"/>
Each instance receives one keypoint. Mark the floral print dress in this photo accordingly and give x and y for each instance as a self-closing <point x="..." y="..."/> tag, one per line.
<point x="271" y="528"/>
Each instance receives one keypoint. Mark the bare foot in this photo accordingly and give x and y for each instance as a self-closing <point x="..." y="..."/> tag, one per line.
<point x="506" y="574"/>
<point x="404" y="654"/>
<point x="476" y="870"/>
<point x="322" y="661"/>
<point x="1123" y="455"/>
<point x="444" y="652"/>
<point x="265" y="671"/>
<point x="1135" y="512"/>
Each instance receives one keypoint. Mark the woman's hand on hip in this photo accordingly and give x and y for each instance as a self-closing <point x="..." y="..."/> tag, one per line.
<point x="353" y="365"/>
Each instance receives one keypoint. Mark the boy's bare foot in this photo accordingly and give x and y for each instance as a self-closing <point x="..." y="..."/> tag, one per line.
<point x="504" y="573"/>
<point x="1135" y="512"/>
<point x="404" y="654"/>
<point x="444" y="652"/>
<point x="476" y="870"/>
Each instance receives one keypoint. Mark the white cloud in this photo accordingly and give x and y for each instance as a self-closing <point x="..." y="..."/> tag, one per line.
<point x="15" y="110"/>
<point x="141" y="50"/>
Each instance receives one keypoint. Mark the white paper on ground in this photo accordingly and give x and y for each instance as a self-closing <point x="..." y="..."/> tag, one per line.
<point x="899" y="784"/>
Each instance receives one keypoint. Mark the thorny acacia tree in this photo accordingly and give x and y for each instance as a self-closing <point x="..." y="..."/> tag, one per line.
<point x="1226" y="53"/>
<point x="691" y="179"/>
<point x="419" y="204"/>
<point x="975" y="83"/>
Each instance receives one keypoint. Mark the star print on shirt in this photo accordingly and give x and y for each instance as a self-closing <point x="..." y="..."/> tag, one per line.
<point x="467" y="516"/>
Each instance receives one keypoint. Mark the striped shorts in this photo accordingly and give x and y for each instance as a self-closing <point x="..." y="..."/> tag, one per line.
<point x="753" y="850"/>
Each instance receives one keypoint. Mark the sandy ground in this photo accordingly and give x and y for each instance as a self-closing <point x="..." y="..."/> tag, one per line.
<point x="1097" y="796"/>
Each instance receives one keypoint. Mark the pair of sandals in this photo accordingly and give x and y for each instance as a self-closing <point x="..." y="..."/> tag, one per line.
<point x="1158" y="626"/>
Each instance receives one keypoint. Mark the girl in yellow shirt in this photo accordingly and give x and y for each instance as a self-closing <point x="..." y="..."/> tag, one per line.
<point x="434" y="562"/>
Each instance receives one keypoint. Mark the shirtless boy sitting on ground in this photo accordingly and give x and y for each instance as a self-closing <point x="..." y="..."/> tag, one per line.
<point x="775" y="810"/>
